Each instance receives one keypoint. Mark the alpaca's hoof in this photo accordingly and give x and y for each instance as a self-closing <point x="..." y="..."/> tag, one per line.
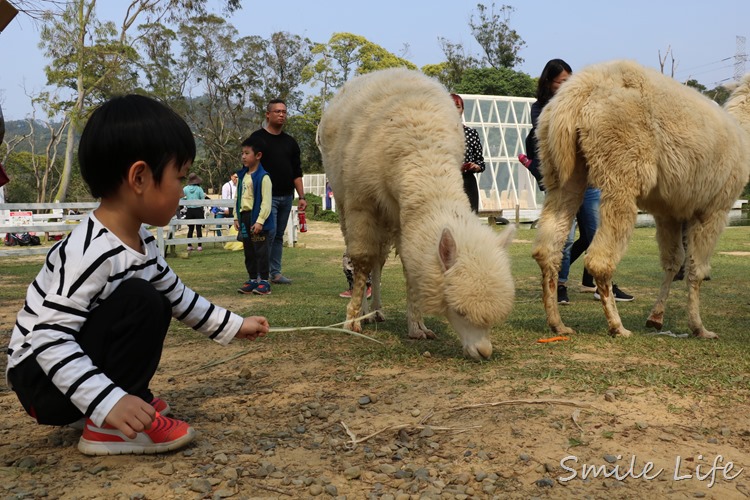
<point x="705" y="334"/>
<point x="353" y="326"/>
<point x="377" y="317"/>
<point x="655" y="321"/>
<point x="620" y="332"/>
<point x="562" y="330"/>
<point x="422" y="333"/>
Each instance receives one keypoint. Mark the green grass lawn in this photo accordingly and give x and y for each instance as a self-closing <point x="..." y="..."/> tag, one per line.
<point x="590" y="361"/>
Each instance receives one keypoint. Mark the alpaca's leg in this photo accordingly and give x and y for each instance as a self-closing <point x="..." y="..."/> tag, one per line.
<point x="360" y="242"/>
<point x="702" y="238"/>
<point x="617" y="214"/>
<point x="672" y="255"/>
<point x="357" y="304"/>
<point x="560" y="206"/>
<point x="414" y="322"/>
<point x="377" y="273"/>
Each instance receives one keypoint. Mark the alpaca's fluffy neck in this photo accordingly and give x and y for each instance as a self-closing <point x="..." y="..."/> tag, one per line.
<point x="738" y="105"/>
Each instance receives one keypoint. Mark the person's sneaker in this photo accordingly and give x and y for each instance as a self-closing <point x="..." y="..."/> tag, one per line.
<point x="165" y="434"/>
<point x="620" y="296"/>
<point x="159" y="405"/>
<point x="190" y="248"/>
<point x="248" y="287"/>
<point x="263" y="288"/>
<point x="281" y="280"/>
<point x="348" y="293"/>
<point x="562" y="295"/>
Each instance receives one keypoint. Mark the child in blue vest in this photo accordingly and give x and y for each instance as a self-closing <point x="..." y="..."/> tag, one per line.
<point x="254" y="221"/>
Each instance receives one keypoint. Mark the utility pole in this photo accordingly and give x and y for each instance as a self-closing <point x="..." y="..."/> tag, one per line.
<point x="740" y="57"/>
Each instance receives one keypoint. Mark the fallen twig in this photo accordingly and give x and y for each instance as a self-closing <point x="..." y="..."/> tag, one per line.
<point x="271" y="488"/>
<point x="355" y="441"/>
<point x="526" y="402"/>
<point x="574" y="417"/>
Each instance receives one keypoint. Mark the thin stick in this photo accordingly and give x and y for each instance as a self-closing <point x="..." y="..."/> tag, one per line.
<point x="526" y="402"/>
<point x="271" y="488"/>
<point x="284" y="330"/>
<point x="396" y="427"/>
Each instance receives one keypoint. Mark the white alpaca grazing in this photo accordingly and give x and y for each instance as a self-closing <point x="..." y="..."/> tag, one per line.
<point x="392" y="146"/>
<point x="647" y="142"/>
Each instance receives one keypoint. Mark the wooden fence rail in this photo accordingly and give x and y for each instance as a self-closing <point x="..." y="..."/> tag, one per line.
<point x="63" y="218"/>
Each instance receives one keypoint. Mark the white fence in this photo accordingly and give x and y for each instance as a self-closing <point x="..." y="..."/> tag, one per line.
<point x="63" y="217"/>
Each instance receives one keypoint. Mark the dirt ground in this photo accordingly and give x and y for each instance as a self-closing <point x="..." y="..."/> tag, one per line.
<point x="284" y="422"/>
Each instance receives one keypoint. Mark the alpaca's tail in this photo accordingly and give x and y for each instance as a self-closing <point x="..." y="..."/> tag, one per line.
<point x="558" y="142"/>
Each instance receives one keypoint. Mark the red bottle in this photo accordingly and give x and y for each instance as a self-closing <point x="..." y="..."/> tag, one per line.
<point x="302" y="221"/>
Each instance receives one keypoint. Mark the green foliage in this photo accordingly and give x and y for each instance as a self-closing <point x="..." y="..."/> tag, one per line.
<point x="491" y="81"/>
<point x="500" y="43"/>
<point x="451" y="71"/>
<point x="303" y="128"/>
<point x="696" y="85"/>
<point x="345" y="56"/>
<point x="719" y="94"/>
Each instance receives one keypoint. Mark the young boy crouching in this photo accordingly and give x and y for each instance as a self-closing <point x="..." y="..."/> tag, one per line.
<point x="90" y="335"/>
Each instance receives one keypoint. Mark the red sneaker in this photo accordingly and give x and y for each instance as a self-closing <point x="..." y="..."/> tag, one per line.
<point x="347" y="294"/>
<point x="165" y="434"/>
<point x="161" y="406"/>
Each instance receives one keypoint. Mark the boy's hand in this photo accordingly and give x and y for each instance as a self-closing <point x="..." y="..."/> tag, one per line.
<point x="257" y="228"/>
<point x="252" y="328"/>
<point x="236" y="225"/>
<point x="131" y="415"/>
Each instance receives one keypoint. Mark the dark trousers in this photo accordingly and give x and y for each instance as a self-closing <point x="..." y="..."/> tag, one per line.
<point x="195" y="213"/>
<point x="471" y="190"/>
<point x="123" y="337"/>
<point x="256" y="248"/>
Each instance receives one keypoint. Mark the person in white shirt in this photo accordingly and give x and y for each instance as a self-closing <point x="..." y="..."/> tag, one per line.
<point x="228" y="192"/>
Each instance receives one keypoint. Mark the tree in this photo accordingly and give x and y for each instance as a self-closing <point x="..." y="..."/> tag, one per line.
<point x="492" y="81"/>
<point x="719" y="94"/>
<point x="93" y="59"/>
<point x="285" y="56"/>
<point x="696" y="85"/>
<point x="225" y="72"/>
<point x="165" y="79"/>
<point x="451" y="71"/>
<point x="500" y="43"/>
<point x="345" y="56"/>
<point x="303" y="128"/>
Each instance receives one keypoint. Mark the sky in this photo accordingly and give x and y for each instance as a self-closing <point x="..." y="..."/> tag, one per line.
<point x="701" y="35"/>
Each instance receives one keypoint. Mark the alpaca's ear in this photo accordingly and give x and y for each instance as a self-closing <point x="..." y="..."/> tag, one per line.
<point x="447" y="249"/>
<point x="507" y="236"/>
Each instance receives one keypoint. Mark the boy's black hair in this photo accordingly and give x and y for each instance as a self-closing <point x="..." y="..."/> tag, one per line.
<point x="127" y="129"/>
<point x="257" y="143"/>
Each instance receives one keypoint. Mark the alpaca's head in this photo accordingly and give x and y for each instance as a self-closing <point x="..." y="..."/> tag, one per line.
<point x="478" y="285"/>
